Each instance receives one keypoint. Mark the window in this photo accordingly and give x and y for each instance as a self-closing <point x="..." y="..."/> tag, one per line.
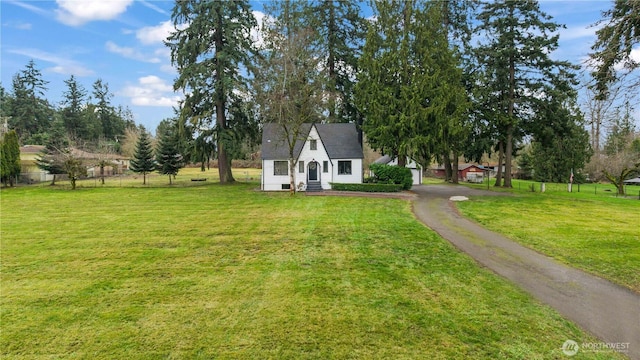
<point x="325" y="166"/>
<point x="301" y="166"/>
<point x="313" y="144"/>
<point x="286" y="186"/>
<point x="344" y="167"/>
<point x="280" y="168"/>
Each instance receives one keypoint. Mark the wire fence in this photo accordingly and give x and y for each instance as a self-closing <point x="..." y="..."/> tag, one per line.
<point x="186" y="177"/>
<point x="593" y="189"/>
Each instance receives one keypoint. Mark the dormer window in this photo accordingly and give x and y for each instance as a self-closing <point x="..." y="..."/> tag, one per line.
<point x="313" y="144"/>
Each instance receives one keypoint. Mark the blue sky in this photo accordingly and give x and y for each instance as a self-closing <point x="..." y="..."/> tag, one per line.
<point x="120" y="42"/>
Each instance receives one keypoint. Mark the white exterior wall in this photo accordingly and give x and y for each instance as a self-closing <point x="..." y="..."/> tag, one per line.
<point x="272" y="182"/>
<point x="416" y="170"/>
<point x="356" y="172"/>
<point x="319" y="155"/>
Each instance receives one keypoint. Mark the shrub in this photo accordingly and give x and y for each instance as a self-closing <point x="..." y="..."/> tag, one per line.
<point x="389" y="174"/>
<point x="366" y="187"/>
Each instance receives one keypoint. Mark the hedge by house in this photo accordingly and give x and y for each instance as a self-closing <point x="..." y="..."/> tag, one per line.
<point x="390" y="174"/>
<point x="371" y="187"/>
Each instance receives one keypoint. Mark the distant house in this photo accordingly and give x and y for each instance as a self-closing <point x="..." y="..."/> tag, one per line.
<point x="416" y="169"/>
<point x="466" y="172"/>
<point x="325" y="153"/>
<point x="634" y="181"/>
<point x="32" y="173"/>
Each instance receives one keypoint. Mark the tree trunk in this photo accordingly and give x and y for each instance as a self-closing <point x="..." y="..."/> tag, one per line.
<point x="102" y="174"/>
<point x="500" y="157"/>
<point x="224" y="165"/>
<point x="448" y="171"/>
<point x="454" y="169"/>
<point x="292" y="180"/>
<point x="507" y="157"/>
<point x="224" y="161"/>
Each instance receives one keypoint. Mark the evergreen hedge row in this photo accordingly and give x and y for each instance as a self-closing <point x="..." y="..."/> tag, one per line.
<point x="391" y="174"/>
<point x="366" y="187"/>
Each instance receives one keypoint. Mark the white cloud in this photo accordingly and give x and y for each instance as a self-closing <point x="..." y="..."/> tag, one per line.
<point x="61" y="65"/>
<point x="578" y="31"/>
<point x="76" y="13"/>
<point x="130" y="53"/>
<point x="18" y="25"/>
<point x="155" y="34"/>
<point x="151" y="91"/>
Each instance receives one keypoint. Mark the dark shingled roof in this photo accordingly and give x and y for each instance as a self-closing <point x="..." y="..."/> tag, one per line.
<point x="340" y="141"/>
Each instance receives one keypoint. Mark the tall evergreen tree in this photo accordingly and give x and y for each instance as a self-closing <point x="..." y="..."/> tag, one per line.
<point x="143" y="160"/>
<point x="517" y="68"/>
<point x="72" y="110"/>
<point x="341" y="32"/>
<point x="10" y="158"/>
<point x="616" y="39"/>
<point x="31" y="113"/>
<point x="211" y="47"/>
<point x="410" y="89"/>
<point x="168" y="158"/>
<point x="111" y="124"/>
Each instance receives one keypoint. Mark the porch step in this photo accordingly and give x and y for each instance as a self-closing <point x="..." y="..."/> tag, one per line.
<point x="314" y="187"/>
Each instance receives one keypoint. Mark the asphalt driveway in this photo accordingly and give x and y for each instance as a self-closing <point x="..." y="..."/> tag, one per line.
<point x="608" y="311"/>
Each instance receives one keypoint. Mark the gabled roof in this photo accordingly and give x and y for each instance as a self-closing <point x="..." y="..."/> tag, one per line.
<point x="632" y="181"/>
<point x="339" y="140"/>
<point x="460" y="167"/>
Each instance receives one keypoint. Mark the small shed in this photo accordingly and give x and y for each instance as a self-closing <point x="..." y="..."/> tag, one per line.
<point x="466" y="172"/>
<point x="416" y="169"/>
<point x="634" y="181"/>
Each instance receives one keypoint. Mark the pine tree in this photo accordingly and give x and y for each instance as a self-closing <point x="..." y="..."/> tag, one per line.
<point x="410" y="89"/>
<point x="72" y="109"/>
<point x="616" y="40"/>
<point x="517" y="70"/>
<point x="168" y="158"/>
<point x="143" y="160"/>
<point x="210" y="47"/>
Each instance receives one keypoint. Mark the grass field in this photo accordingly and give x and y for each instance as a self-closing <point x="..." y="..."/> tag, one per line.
<point x="590" y="231"/>
<point x="229" y="272"/>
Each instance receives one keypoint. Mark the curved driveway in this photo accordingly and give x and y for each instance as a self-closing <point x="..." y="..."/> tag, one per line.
<point x="610" y="312"/>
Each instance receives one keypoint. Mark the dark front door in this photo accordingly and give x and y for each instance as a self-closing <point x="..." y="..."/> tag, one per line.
<point x="313" y="171"/>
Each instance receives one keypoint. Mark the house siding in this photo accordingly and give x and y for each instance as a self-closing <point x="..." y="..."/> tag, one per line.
<point x="356" y="172"/>
<point x="271" y="182"/>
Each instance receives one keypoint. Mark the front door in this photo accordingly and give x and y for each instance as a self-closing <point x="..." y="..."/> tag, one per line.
<point x="313" y="171"/>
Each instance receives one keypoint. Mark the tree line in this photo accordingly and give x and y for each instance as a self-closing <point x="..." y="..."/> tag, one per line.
<point x="410" y="77"/>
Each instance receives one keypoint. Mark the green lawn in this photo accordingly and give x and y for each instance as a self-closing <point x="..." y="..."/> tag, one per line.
<point x="229" y="272"/>
<point x="592" y="231"/>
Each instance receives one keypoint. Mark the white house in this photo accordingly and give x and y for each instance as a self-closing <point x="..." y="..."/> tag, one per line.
<point x="324" y="153"/>
<point x="416" y="169"/>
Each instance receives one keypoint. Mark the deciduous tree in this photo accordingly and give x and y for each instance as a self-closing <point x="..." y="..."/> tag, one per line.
<point x="289" y="88"/>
